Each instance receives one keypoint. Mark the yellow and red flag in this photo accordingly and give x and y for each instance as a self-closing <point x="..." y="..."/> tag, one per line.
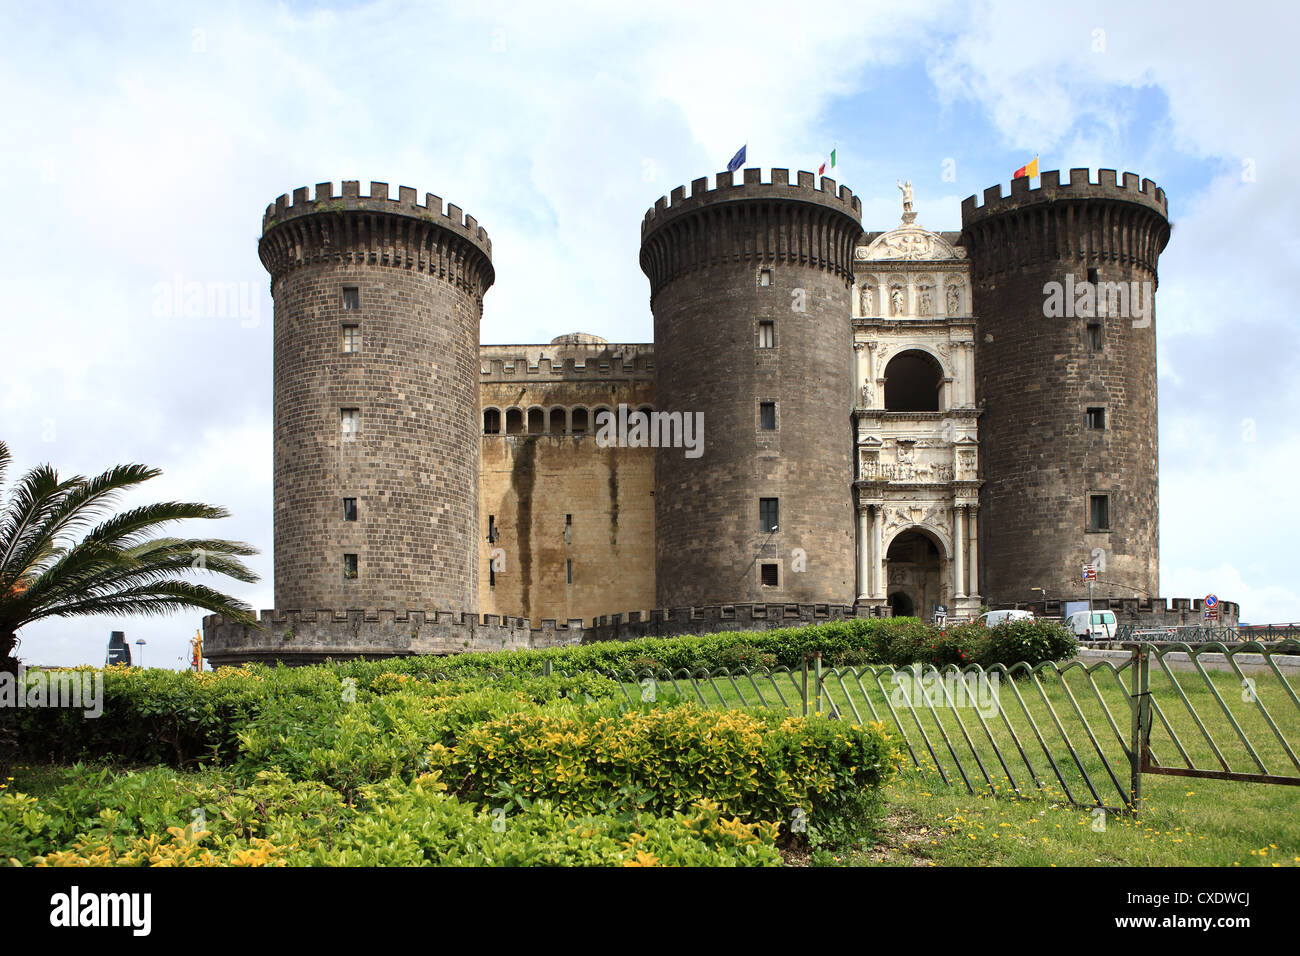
<point x="1030" y="169"/>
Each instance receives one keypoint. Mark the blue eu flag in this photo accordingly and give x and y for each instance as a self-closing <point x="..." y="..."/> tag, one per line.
<point x="738" y="160"/>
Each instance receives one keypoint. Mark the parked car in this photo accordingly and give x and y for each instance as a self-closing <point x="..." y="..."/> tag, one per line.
<point x="994" y="618"/>
<point x="1102" y="629"/>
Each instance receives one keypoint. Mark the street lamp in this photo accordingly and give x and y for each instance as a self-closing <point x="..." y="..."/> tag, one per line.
<point x="140" y="643"/>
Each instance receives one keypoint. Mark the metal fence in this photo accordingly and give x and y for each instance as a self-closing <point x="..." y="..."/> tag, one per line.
<point x="1080" y="732"/>
<point x="1198" y="633"/>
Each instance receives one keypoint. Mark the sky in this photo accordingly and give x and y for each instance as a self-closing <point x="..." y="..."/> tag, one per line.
<point x="145" y="141"/>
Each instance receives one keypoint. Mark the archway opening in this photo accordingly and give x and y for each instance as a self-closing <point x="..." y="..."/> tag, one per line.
<point x="913" y="383"/>
<point x="557" y="421"/>
<point x="915" y="568"/>
<point x="514" y="421"/>
<point x="536" y="421"/>
<point x="900" y="605"/>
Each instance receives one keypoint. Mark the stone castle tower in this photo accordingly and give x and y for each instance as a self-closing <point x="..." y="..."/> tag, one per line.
<point x="751" y="289"/>
<point x="1068" y="383"/>
<point x="377" y="308"/>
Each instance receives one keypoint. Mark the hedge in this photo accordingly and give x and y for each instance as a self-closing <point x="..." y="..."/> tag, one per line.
<point x="149" y="818"/>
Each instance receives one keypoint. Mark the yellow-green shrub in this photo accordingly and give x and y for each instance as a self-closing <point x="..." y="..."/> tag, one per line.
<point x="754" y="765"/>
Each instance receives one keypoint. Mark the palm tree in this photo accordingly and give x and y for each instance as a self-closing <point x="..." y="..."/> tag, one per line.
<point x="117" y="567"/>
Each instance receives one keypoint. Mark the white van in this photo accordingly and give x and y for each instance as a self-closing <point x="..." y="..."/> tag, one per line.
<point x="1103" y="625"/>
<point x="994" y="618"/>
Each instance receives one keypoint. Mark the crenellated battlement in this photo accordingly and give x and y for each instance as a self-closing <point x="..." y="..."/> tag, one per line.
<point x="521" y="368"/>
<point x="1079" y="186"/>
<point x="799" y="223"/>
<point x="406" y="203"/>
<point x="299" y="636"/>
<point x="376" y="230"/>
<point x="1082" y="221"/>
<point x="726" y="189"/>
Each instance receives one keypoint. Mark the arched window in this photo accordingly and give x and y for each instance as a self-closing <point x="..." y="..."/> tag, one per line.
<point x="536" y="421"/>
<point x="557" y="421"/>
<point x="913" y="382"/>
<point x="514" y="422"/>
<point x="579" y="421"/>
<point x="491" y="421"/>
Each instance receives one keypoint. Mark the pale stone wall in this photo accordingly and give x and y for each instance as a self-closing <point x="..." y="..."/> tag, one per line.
<point x="530" y="483"/>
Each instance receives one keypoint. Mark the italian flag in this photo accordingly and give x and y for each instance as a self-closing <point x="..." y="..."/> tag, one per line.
<point x="1030" y="169"/>
<point x="830" y="163"/>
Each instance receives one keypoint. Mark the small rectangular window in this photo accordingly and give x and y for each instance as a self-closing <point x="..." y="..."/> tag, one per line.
<point x="351" y="423"/>
<point x="1099" y="512"/>
<point x="492" y="529"/>
<point x="1092" y="276"/>
<point x="351" y="338"/>
<point x="349" y="509"/>
<point x="351" y="298"/>
<point x="1097" y="418"/>
<point x="568" y="529"/>
<point x="349" y="567"/>
<point x="765" y="276"/>
<point x="1095" y="339"/>
<point x="568" y="571"/>
<point x="767" y="335"/>
<point x="768" y="514"/>
<point x="767" y="416"/>
<point x="771" y="575"/>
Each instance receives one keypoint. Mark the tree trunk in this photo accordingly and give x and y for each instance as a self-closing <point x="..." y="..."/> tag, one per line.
<point x="8" y="715"/>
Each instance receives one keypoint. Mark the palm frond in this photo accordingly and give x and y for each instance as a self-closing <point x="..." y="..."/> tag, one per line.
<point x="165" y="597"/>
<point x="120" y="566"/>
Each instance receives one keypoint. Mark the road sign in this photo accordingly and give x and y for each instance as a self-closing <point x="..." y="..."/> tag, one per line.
<point x="1211" y="601"/>
<point x="1090" y="572"/>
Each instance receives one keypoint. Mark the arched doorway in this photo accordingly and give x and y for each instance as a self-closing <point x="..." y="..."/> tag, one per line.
<point x="916" y="571"/>
<point x="913" y="382"/>
<point x="900" y="605"/>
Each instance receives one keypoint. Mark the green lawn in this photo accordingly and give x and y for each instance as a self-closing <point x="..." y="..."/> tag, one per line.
<point x="1183" y="823"/>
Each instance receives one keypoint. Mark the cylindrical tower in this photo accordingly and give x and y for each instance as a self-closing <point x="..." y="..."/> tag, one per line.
<point x="1064" y="280"/>
<point x="377" y="308"/>
<point x="750" y="288"/>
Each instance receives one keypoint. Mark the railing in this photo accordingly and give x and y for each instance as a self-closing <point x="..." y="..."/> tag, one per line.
<point x="1075" y="731"/>
<point x="1198" y="633"/>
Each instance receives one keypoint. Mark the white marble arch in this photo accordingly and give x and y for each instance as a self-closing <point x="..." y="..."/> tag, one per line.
<point x="937" y="535"/>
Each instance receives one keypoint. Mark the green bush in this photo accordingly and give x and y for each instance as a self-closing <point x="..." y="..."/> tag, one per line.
<point x="755" y="765"/>
<point x="350" y="743"/>
<point x="177" y="718"/>
<point x="1029" y="642"/>
<point x="149" y="818"/>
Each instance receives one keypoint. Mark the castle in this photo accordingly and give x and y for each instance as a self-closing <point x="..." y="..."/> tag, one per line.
<point x="829" y="423"/>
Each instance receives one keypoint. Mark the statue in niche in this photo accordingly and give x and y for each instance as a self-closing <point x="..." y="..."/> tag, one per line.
<point x="924" y="301"/>
<point x="866" y="395"/>
<point x="868" y="300"/>
<point x="896" y="299"/>
<point x="954" y="299"/>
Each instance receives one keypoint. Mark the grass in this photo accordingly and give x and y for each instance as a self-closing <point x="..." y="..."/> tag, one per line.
<point x="1183" y="823"/>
